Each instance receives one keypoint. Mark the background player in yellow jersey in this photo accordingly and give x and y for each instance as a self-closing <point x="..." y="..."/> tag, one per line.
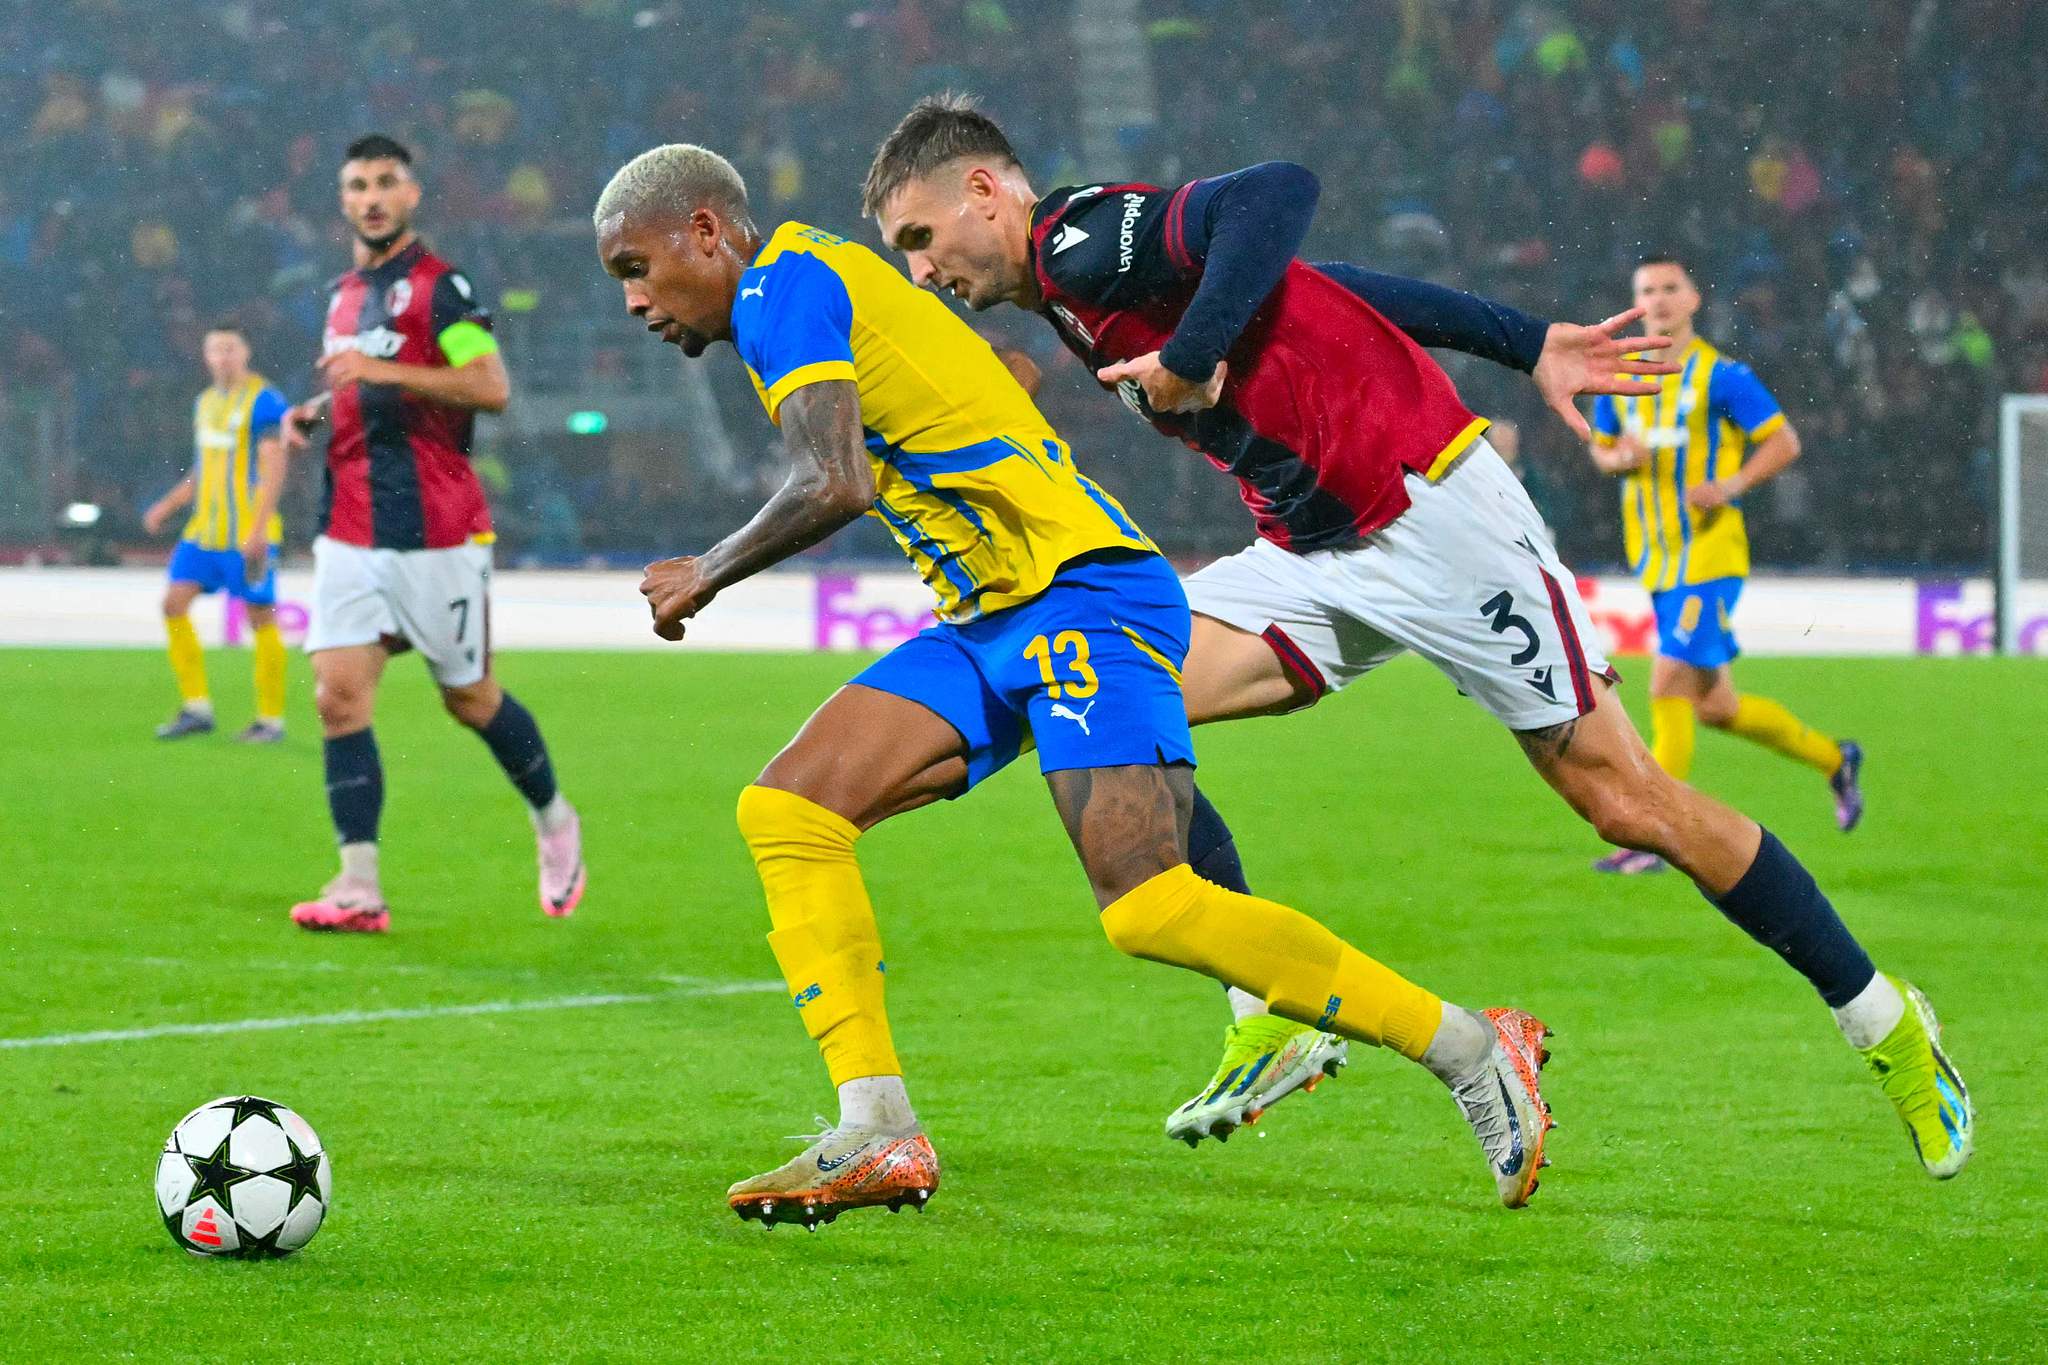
<point x="1687" y="455"/>
<point x="1058" y="619"/>
<point x="230" y="542"/>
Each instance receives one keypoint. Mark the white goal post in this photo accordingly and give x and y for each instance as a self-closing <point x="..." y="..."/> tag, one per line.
<point x="2022" y="506"/>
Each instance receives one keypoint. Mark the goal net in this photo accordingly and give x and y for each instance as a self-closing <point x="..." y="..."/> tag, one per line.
<point x="2022" y="520"/>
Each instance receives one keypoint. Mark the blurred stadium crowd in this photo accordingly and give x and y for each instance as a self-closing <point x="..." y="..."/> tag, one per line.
<point x="1860" y="185"/>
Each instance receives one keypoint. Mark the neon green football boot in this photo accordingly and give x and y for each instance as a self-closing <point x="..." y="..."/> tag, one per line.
<point x="1265" y="1059"/>
<point x="1923" y="1085"/>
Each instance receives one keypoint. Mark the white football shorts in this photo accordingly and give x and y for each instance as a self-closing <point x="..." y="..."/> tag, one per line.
<point x="1466" y="577"/>
<point x="436" y="601"/>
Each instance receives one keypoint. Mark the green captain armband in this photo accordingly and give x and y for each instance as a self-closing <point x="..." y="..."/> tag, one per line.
<point x="464" y="341"/>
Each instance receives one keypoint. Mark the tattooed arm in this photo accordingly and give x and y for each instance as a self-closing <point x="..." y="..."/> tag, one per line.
<point x="830" y="484"/>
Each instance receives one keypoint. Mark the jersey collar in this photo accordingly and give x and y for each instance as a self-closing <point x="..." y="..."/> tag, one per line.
<point x="399" y="264"/>
<point x="1034" y="225"/>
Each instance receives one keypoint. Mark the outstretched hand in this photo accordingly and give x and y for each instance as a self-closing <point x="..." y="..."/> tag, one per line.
<point x="1577" y="359"/>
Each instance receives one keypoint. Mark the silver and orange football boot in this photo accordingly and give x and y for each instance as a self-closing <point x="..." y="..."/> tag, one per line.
<point x="839" y="1169"/>
<point x="1503" y="1101"/>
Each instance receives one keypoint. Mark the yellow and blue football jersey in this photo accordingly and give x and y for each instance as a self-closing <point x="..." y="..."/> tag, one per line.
<point x="1697" y="426"/>
<point x="970" y="479"/>
<point x="226" y="425"/>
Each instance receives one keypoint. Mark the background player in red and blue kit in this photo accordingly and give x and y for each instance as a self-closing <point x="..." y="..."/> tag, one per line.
<point x="1386" y="522"/>
<point x="403" y="560"/>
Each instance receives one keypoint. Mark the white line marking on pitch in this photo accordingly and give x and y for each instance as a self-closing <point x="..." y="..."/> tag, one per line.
<point x="559" y="1002"/>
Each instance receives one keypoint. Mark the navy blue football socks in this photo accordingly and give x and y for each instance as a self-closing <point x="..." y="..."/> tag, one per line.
<point x="1778" y="904"/>
<point x="516" y="743"/>
<point x="1212" y="849"/>
<point x="355" y="786"/>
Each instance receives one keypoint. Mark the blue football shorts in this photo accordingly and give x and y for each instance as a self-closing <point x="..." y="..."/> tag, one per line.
<point x="1695" y="623"/>
<point x="224" y="570"/>
<point x="1089" y="670"/>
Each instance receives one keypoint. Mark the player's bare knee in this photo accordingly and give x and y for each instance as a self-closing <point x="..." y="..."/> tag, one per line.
<point x="1628" y="815"/>
<point x="803" y="772"/>
<point x="343" y="704"/>
<point x="1622" y="824"/>
<point x="1717" y="710"/>
<point x="475" y="705"/>
<point x="1112" y="879"/>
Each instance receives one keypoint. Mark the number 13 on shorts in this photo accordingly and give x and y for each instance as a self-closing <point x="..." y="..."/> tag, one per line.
<point x="1083" y="682"/>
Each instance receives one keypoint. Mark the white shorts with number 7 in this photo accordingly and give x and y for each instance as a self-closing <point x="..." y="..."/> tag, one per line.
<point x="436" y="601"/>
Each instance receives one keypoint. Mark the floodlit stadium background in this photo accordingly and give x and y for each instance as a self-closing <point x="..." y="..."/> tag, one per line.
<point x="533" y="1121"/>
<point x="1861" y="197"/>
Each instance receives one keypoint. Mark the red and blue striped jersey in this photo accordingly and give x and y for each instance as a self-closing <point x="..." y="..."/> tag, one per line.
<point x="398" y="471"/>
<point x="1327" y="405"/>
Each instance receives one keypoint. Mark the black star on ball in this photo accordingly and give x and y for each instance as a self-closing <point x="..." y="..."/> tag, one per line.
<point x="216" y="1176"/>
<point x="302" y="1172"/>
<point x="250" y="1106"/>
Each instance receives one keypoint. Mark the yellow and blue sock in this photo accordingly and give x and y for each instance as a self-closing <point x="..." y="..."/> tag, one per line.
<point x="825" y="938"/>
<point x="1766" y="722"/>
<point x="188" y="662"/>
<point x="1299" y="968"/>
<point x="269" y="673"/>
<point x="1672" y="726"/>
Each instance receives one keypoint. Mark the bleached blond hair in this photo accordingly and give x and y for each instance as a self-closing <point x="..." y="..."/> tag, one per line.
<point x="675" y="179"/>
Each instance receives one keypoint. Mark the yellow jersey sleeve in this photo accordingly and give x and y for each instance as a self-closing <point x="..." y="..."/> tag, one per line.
<point x="974" y="485"/>
<point x="793" y="325"/>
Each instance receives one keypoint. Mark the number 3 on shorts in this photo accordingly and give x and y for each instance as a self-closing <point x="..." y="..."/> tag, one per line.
<point x="1067" y="641"/>
<point x="1502" y="617"/>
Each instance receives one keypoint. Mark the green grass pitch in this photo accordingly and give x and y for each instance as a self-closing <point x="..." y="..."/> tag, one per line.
<point x="548" y="1184"/>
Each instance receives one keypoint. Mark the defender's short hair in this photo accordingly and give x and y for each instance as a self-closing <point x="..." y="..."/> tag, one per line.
<point x="378" y="147"/>
<point x="937" y="130"/>
<point x="227" y="325"/>
<point x="1664" y="258"/>
<point x="675" y="179"/>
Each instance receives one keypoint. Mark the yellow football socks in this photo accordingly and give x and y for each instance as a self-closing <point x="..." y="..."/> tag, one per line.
<point x="269" y="673"/>
<point x="825" y="937"/>
<point x="1672" y="722"/>
<point x="188" y="660"/>
<point x="1300" y="969"/>
<point x="1771" y="725"/>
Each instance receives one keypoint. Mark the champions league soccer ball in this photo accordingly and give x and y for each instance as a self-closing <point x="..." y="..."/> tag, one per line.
<point x="242" y="1176"/>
